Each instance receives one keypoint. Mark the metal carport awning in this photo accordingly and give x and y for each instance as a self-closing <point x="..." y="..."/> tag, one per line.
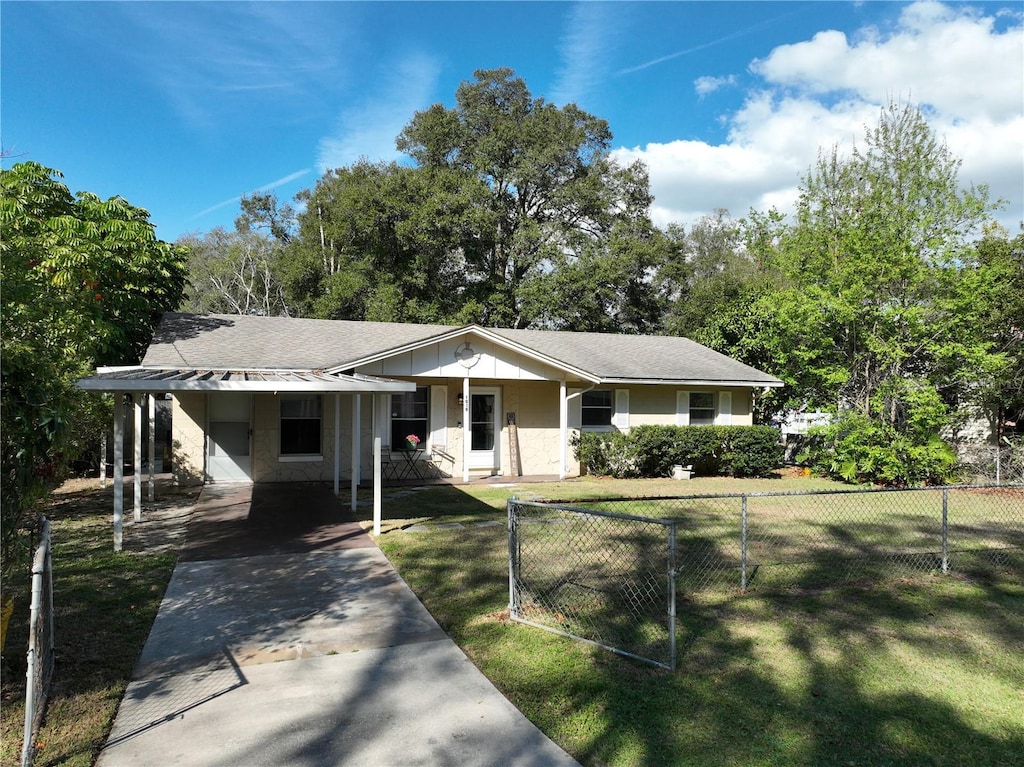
<point x="139" y="381"/>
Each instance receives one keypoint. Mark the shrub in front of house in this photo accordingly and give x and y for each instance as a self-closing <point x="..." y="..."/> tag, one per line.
<point x="610" y="454"/>
<point x="652" y="451"/>
<point x="859" y="449"/>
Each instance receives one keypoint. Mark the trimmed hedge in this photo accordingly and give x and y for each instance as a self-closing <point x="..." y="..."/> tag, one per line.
<point x="652" y="451"/>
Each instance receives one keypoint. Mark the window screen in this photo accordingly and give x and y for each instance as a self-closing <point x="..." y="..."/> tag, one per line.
<point x="410" y="415"/>
<point x="597" y="408"/>
<point x="300" y="425"/>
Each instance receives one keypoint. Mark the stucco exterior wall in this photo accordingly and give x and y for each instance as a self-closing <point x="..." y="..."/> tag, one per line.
<point x="742" y="410"/>
<point x="656" y="405"/>
<point x="651" y="405"/>
<point x="188" y="438"/>
<point x="535" y="404"/>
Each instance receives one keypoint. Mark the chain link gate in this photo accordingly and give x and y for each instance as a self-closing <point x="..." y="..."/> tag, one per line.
<point x="603" y="578"/>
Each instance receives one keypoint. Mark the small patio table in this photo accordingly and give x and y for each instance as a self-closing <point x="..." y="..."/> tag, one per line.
<point x="412" y="463"/>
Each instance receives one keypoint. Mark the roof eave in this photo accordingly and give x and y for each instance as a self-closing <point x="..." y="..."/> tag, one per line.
<point x="730" y="383"/>
<point x="139" y="379"/>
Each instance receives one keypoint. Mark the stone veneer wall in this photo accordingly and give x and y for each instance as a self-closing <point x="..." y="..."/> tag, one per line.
<point x="535" y="404"/>
<point x="188" y="438"/>
<point x="266" y="463"/>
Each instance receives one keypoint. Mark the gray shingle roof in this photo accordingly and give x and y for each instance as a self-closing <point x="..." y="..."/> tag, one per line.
<point x="246" y="342"/>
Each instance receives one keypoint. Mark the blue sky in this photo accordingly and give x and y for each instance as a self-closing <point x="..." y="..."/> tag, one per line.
<point x="183" y="107"/>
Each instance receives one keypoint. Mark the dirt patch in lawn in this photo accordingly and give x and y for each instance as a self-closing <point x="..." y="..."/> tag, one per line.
<point x="163" y="520"/>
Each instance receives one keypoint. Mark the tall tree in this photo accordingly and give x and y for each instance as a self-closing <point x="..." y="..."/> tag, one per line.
<point x="262" y="211"/>
<point x="711" y="270"/>
<point x="385" y="242"/>
<point x="84" y="282"/>
<point x="234" y="273"/>
<point x="552" y="189"/>
<point x="1000" y="293"/>
<point x="872" y="310"/>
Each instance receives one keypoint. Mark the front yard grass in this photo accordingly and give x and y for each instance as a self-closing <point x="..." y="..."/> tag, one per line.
<point x="922" y="670"/>
<point x="105" y="603"/>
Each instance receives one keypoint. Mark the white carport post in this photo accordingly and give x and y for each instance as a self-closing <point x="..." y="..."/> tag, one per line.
<point x="152" y="447"/>
<point x="563" y="430"/>
<point x="337" y="443"/>
<point x="379" y="401"/>
<point x="118" y="468"/>
<point x="467" y="433"/>
<point x="357" y="407"/>
<point x="137" y="457"/>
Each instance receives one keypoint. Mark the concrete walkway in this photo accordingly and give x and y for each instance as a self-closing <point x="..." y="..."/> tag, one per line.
<point x="306" y="649"/>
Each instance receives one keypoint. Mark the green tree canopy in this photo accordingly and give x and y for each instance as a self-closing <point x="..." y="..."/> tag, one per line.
<point x="510" y="199"/>
<point x="84" y="282"/>
<point x="876" y="297"/>
<point x="234" y="273"/>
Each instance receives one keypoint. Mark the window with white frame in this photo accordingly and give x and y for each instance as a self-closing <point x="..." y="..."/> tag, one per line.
<point x="300" y="425"/>
<point x="596" y="409"/>
<point x="702" y="408"/>
<point x="410" y="417"/>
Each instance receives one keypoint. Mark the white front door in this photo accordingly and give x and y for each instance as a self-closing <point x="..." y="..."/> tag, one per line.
<point x="485" y="428"/>
<point x="229" y="437"/>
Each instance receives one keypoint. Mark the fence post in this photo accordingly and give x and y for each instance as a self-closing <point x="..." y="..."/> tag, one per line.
<point x="743" y="546"/>
<point x="512" y="547"/>
<point x="672" y="595"/>
<point x="945" y="530"/>
<point x="35" y="675"/>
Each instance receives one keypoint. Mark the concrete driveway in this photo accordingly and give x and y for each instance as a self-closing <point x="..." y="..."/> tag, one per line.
<point x="305" y="647"/>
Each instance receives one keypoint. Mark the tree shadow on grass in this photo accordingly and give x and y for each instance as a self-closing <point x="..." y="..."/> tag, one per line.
<point x="811" y="677"/>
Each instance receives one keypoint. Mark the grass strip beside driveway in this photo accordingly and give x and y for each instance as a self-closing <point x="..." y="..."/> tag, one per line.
<point x="923" y="670"/>
<point x="105" y="604"/>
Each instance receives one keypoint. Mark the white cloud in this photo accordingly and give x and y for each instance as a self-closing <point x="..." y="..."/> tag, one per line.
<point x="368" y="129"/>
<point x="948" y="58"/>
<point x="815" y="94"/>
<point x="591" y="32"/>
<point x="706" y="85"/>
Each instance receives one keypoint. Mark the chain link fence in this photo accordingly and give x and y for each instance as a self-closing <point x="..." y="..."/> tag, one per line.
<point x="41" y="652"/>
<point x="607" y="570"/>
<point x="1001" y="464"/>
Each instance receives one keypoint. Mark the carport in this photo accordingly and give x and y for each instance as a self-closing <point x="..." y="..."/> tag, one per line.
<point x="142" y="384"/>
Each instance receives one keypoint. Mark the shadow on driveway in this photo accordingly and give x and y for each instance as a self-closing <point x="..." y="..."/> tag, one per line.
<point x="287" y="638"/>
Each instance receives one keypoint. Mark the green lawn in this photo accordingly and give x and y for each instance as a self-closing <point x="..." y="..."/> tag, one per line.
<point x="105" y="604"/>
<point x="919" y="670"/>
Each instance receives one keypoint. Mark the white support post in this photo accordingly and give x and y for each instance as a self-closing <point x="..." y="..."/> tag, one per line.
<point x="137" y="457"/>
<point x="357" y="427"/>
<point x="563" y="430"/>
<point x="467" y="434"/>
<point x="118" y="468"/>
<point x="377" y="494"/>
<point x="337" y="444"/>
<point x="152" y="447"/>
